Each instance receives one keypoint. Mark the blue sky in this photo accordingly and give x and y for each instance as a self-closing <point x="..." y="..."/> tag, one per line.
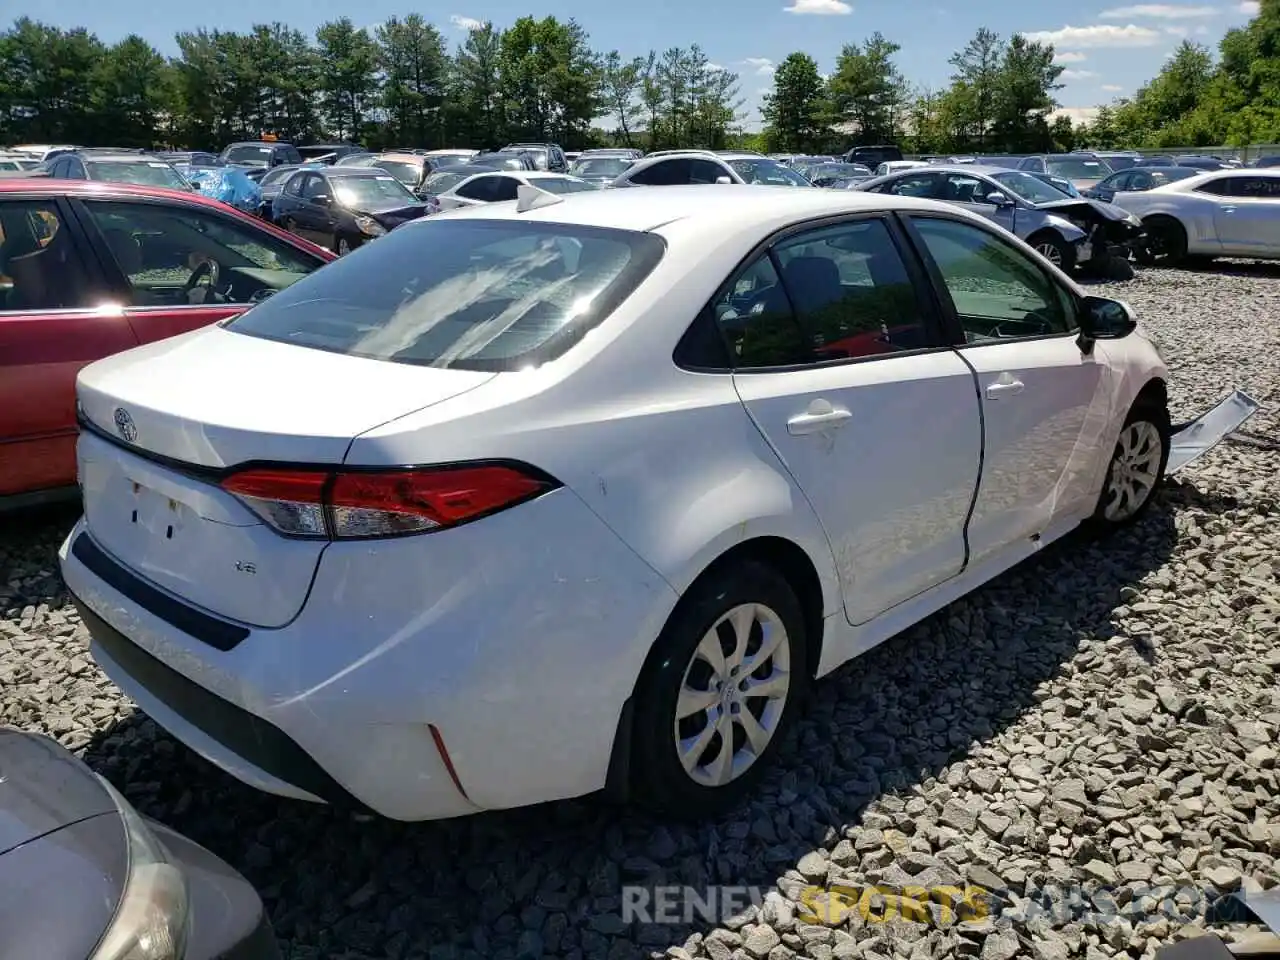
<point x="1108" y="49"/>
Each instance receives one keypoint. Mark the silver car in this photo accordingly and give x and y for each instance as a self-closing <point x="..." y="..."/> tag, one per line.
<point x="1065" y="230"/>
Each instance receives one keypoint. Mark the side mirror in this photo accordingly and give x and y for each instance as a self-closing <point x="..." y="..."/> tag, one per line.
<point x="1104" y="319"/>
<point x="723" y="180"/>
<point x="998" y="199"/>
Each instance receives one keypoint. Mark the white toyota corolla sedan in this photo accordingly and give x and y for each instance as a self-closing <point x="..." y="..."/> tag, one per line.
<point x="571" y="493"/>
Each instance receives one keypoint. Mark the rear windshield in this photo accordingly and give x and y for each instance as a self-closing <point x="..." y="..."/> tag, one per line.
<point x="151" y="173"/>
<point x="1075" y="169"/>
<point x="249" y="154"/>
<point x="464" y="293"/>
<point x="405" y="171"/>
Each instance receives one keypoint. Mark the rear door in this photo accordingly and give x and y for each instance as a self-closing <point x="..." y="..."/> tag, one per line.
<point x="1043" y="399"/>
<point x="843" y="367"/>
<point x="50" y="327"/>
<point x="174" y="267"/>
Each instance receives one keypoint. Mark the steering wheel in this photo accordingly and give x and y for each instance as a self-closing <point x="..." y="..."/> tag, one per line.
<point x="208" y="271"/>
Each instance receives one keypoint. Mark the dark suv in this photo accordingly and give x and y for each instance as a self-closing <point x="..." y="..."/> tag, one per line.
<point x="260" y="154"/>
<point x="547" y="156"/>
<point x="873" y="156"/>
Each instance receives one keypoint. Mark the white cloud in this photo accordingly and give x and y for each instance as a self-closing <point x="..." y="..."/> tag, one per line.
<point x="1068" y="56"/>
<point x="1158" y="11"/>
<point x="1202" y="29"/>
<point x="819" y="8"/>
<point x="1077" y="114"/>
<point x="1250" y="7"/>
<point x="1176" y="31"/>
<point x="465" y="23"/>
<point x="1098" y="35"/>
<point x="1077" y="74"/>
<point x="714" y="67"/>
<point x="1111" y="88"/>
<point x="761" y="65"/>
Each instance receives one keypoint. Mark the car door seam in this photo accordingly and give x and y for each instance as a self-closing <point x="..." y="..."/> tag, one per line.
<point x="982" y="451"/>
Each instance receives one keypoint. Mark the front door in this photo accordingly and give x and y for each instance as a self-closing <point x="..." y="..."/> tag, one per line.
<point x="972" y="193"/>
<point x="1040" y="393"/>
<point x="841" y="365"/>
<point x="1248" y="218"/>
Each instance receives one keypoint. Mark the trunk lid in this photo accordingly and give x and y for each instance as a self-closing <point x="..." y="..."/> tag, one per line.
<point x="179" y="410"/>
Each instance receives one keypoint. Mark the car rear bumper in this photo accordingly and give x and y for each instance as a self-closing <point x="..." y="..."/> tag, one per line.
<point x="426" y="677"/>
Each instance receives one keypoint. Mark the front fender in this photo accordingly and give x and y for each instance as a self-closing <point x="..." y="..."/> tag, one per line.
<point x="1070" y="232"/>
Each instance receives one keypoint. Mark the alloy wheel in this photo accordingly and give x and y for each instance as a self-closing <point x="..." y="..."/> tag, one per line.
<point x="733" y="694"/>
<point x="1135" y="470"/>
<point x="1050" y="252"/>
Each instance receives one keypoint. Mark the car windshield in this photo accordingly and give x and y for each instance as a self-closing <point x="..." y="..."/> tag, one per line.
<point x="444" y="180"/>
<point x="473" y="294"/>
<point x="768" y="173"/>
<point x="405" y="171"/>
<point x="827" y="170"/>
<point x="562" y="184"/>
<point x="1076" y="168"/>
<point x="256" y="156"/>
<point x="600" y="167"/>
<point x="151" y="173"/>
<point x="355" y="191"/>
<point x="1029" y="188"/>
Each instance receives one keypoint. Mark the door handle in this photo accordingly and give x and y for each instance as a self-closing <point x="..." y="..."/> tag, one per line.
<point x="1004" y="388"/>
<point x="1228" y="209"/>
<point x="820" y="416"/>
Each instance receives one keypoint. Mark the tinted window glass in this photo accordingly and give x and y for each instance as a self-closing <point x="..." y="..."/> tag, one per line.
<point x="851" y="291"/>
<point x="1259" y="188"/>
<point x="997" y="290"/>
<point x="39" y="267"/>
<point x="564" y="185"/>
<point x="474" y="294"/>
<point x="505" y="188"/>
<point x="704" y="171"/>
<point x="482" y="188"/>
<point x="314" y="186"/>
<point x="959" y="188"/>
<point x="177" y="256"/>
<point x="914" y="185"/>
<point x="666" y="173"/>
<point x="154" y="173"/>
<point x="1220" y="187"/>
<point x="756" y="319"/>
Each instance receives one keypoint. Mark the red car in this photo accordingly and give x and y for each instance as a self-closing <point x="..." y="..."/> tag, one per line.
<point x="88" y="269"/>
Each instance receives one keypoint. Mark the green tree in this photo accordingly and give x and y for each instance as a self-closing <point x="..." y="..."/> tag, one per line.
<point x="48" y="78"/>
<point x="348" y="76"/>
<point x="475" y="95"/>
<point x="415" y="66"/>
<point x="1024" y="98"/>
<point x="976" y="86"/>
<point x="134" y="93"/>
<point x="868" y="91"/>
<point x="620" y="86"/>
<point x="797" y="111"/>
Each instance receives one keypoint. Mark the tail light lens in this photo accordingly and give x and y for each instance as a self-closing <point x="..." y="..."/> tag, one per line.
<point x="358" y="504"/>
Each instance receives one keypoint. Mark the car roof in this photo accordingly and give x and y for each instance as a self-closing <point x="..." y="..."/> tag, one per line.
<point x="350" y="171"/>
<point x="1207" y="176"/>
<point x="95" y="156"/>
<point x="401" y="157"/>
<point x="55" y="187"/>
<point x="730" y="206"/>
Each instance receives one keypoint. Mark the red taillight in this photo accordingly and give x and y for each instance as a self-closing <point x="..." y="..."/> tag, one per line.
<point x="354" y="504"/>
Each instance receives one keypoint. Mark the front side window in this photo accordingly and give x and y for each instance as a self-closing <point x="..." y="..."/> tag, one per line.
<point x="1219" y="187"/>
<point x="39" y="267"/>
<point x="462" y="293"/>
<point x="998" y="291"/>
<point x="295" y="184"/>
<point x="175" y="255"/>
<point x="705" y="171"/>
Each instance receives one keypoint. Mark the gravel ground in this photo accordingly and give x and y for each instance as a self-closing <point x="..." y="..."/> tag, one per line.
<point x="1107" y="714"/>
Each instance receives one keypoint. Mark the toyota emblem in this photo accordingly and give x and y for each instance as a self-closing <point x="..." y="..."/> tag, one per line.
<point x="125" y="425"/>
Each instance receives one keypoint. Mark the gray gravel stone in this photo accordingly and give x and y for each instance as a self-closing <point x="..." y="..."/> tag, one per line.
<point x="1107" y="714"/>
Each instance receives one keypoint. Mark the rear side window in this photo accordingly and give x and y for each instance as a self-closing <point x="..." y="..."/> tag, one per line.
<point x="469" y="294"/>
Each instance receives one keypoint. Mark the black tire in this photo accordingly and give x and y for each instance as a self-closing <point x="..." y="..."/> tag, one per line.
<point x="660" y="782"/>
<point x="289" y="224"/>
<point x="1166" y="242"/>
<point x="1119" y="268"/>
<point x="1158" y="417"/>
<point x="1053" y="248"/>
<point x="341" y="239"/>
